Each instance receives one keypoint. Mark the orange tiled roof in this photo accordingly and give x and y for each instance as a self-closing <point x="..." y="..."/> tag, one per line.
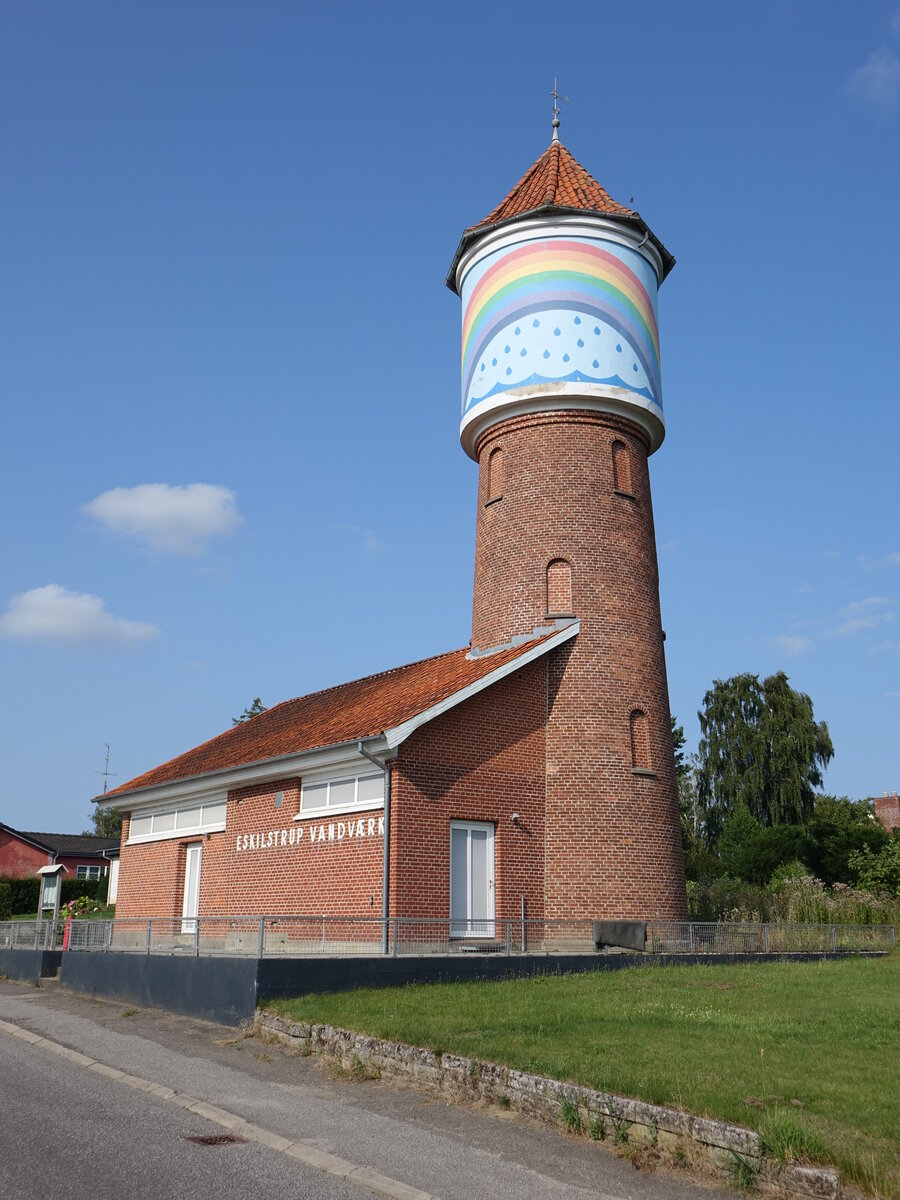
<point x="556" y="182"/>
<point x="346" y="713"/>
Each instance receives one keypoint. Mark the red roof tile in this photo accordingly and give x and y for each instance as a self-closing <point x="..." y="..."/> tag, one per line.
<point x="346" y="713"/>
<point x="556" y="182"/>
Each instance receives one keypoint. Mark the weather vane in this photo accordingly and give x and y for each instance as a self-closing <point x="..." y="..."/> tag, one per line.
<point x="556" y="99"/>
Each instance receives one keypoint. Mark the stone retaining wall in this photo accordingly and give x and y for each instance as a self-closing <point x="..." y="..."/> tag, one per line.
<point x="683" y="1137"/>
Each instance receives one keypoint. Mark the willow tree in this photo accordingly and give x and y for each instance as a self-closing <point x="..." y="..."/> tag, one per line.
<point x="760" y="747"/>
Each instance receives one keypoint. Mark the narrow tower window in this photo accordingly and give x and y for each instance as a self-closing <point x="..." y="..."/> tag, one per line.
<point x="621" y="461"/>
<point x="559" y="588"/>
<point x="640" y="741"/>
<point x="495" y="474"/>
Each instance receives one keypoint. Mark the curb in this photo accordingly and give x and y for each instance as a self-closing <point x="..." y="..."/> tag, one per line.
<point x="311" y="1156"/>
<point x="718" y="1144"/>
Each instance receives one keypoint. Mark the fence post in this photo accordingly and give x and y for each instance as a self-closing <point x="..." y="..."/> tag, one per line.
<point x="149" y="926"/>
<point x="196" y="937"/>
<point x="508" y="939"/>
<point x="262" y="937"/>
<point x="691" y="936"/>
<point x="323" y="933"/>
<point x="394" y="950"/>
<point x="833" y="940"/>
<point x="523" y="924"/>
<point x="766" y="937"/>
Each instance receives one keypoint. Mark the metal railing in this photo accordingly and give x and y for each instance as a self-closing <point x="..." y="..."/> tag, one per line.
<point x="298" y="936"/>
<point x="31" y="935"/>
<point x="753" y="937"/>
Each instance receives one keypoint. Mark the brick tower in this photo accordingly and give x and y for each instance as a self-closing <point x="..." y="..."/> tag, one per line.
<point x="561" y="408"/>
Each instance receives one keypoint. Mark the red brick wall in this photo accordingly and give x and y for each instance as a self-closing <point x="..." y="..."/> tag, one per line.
<point x="340" y="876"/>
<point x="18" y="858"/>
<point x="481" y="761"/>
<point x="613" y="843"/>
<point x="887" y="810"/>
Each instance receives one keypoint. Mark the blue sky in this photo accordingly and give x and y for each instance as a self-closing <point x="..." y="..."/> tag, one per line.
<point x="229" y="365"/>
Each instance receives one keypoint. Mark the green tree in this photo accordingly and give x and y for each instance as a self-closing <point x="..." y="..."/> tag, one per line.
<point x="685" y="770"/>
<point x="107" y="822"/>
<point x="760" y="746"/>
<point x="879" y="872"/>
<point x="837" y="829"/>
<point x="254" y="710"/>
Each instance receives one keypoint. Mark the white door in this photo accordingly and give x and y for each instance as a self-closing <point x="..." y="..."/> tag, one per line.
<point x="113" y="888"/>
<point x="191" y="889"/>
<point x="471" y="879"/>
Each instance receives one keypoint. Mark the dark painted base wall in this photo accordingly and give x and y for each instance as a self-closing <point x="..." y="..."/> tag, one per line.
<point x="30" y="966"/>
<point x="215" y="989"/>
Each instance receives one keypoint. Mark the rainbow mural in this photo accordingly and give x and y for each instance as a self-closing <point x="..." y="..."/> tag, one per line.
<point x="560" y="309"/>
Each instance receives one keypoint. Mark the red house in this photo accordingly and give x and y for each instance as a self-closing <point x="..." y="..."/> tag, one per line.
<point x="82" y="855"/>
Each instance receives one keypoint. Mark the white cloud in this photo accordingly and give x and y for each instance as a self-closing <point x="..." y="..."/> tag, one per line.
<point x="804" y="589"/>
<point x="791" y="644"/>
<point x="877" y="81"/>
<point x="54" y="614"/>
<point x="861" y="615"/>
<point x="180" y="520"/>
<point x="370" y="542"/>
<point x="895" y="24"/>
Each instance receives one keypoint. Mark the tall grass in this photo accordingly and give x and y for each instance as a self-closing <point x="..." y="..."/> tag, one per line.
<point x="790" y="897"/>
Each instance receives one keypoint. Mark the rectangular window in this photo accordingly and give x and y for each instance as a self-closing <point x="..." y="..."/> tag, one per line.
<point x="174" y="822"/>
<point x="342" y="795"/>
<point x="83" y="872"/>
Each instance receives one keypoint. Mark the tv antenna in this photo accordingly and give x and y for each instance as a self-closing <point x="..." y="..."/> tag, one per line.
<point x="106" y="773"/>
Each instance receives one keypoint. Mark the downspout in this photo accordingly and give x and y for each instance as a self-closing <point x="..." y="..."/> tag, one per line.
<point x="386" y="853"/>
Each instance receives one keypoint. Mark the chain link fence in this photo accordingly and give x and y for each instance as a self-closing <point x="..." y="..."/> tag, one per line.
<point x="298" y="936"/>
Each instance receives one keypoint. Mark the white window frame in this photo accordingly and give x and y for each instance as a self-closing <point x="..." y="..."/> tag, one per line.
<point x="210" y="825"/>
<point x="316" y="814"/>
<point x="88" y="871"/>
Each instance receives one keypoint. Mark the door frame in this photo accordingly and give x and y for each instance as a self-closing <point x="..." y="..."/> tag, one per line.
<point x="190" y="909"/>
<point x="484" y="927"/>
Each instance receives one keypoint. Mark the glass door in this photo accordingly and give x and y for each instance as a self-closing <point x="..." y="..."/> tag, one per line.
<point x="471" y="879"/>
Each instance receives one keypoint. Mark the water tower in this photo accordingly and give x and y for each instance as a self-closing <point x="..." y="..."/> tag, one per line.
<point x="561" y="408"/>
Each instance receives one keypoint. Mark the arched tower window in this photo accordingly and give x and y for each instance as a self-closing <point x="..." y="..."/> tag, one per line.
<point x="640" y="741"/>
<point x="621" y="462"/>
<point x="495" y="474"/>
<point x="559" y="588"/>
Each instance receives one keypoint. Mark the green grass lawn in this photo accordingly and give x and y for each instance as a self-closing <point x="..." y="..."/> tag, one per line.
<point x="705" y="1038"/>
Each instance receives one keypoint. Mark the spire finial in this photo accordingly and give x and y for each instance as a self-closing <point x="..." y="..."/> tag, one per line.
<point x="556" y="99"/>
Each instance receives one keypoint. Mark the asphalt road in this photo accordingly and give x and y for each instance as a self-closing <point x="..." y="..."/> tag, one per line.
<point x="67" y="1132"/>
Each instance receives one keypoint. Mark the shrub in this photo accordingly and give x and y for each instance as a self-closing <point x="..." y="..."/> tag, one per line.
<point x="5" y="902"/>
<point x="24" y="893"/>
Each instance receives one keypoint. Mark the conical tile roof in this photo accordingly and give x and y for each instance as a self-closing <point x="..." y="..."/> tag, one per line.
<point x="557" y="182"/>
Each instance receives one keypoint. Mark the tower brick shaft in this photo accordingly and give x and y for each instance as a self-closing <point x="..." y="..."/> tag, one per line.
<point x="612" y="842"/>
<point x="561" y="408"/>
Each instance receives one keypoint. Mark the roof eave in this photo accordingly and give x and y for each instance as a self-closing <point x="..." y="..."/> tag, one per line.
<point x="474" y="232"/>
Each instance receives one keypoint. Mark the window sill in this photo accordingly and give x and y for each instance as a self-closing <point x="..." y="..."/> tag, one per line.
<point x="560" y="616"/>
<point x="625" y="495"/>
<point x="493" y="500"/>
<point x="645" y="771"/>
